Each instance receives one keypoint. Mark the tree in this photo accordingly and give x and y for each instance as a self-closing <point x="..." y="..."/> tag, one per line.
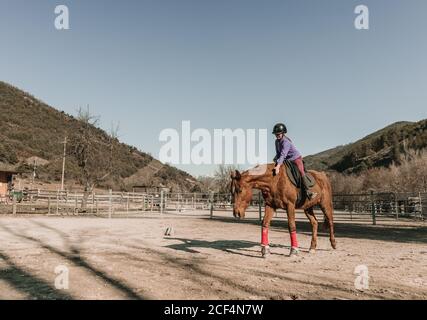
<point x="222" y="177"/>
<point x="86" y="147"/>
<point x="219" y="182"/>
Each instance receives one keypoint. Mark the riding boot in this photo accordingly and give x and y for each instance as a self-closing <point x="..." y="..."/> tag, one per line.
<point x="306" y="183"/>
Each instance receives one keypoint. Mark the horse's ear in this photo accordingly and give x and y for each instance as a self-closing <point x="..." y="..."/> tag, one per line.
<point x="237" y="175"/>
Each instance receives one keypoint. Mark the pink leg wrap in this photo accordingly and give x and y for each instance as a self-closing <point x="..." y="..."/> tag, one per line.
<point x="294" y="242"/>
<point x="264" y="236"/>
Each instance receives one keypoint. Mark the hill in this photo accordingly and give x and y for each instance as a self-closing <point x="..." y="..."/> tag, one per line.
<point x="379" y="149"/>
<point x="33" y="132"/>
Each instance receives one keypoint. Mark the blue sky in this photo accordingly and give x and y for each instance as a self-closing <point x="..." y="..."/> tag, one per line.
<point x="223" y="64"/>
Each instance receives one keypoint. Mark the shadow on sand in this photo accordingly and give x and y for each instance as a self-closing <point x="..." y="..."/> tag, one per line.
<point x="29" y="284"/>
<point x="394" y="233"/>
<point x="228" y="246"/>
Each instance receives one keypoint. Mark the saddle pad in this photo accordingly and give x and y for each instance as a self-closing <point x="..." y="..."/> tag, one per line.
<point x="295" y="175"/>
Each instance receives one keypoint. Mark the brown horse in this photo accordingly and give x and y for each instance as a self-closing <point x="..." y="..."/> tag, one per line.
<point x="279" y="192"/>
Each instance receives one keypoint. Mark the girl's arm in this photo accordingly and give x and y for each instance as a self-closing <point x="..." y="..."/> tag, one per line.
<point x="286" y="146"/>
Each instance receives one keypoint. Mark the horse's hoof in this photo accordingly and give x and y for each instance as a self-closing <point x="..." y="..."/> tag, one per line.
<point x="312" y="251"/>
<point x="265" y="252"/>
<point x="334" y="245"/>
<point x="294" y="252"/>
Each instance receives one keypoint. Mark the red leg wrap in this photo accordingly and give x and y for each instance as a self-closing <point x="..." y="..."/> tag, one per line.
<point x="294" y="242"/>
<point x="264" y="236"/>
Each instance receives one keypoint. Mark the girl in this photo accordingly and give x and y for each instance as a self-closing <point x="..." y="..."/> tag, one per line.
<point x="285" y="150"/>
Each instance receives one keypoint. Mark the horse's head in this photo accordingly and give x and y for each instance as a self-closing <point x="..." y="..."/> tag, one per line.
<point x="241" y="194"/>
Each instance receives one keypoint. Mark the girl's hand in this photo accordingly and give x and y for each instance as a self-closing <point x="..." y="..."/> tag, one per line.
<point x="277" y="169"/>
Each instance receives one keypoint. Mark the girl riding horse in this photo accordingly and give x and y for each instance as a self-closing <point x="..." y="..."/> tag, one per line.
<point x="285" y="150"/>
<point x="279" y="192"/>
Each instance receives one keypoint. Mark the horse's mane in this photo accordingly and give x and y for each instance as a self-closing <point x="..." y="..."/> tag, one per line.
<point x="259" y="170"/>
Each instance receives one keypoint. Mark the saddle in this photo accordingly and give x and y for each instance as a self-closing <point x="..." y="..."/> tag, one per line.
<point x="295" y="177"/>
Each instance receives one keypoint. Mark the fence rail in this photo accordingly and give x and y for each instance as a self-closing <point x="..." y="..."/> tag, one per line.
<point x="383" y="204"/>
<point x="373" y="205"/>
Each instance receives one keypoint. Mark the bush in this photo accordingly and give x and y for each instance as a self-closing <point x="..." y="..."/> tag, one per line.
<point x="409" y="176"/>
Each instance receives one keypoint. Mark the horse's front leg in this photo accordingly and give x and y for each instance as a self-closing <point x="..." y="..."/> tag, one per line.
<point x="292" y="229"/>
<point x="265" y="244"/>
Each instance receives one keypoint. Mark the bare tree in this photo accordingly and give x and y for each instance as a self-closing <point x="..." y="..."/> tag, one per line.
<point x="407" y="174"/>
<point x="220" y="181"/>
<point x="88" y="147"/>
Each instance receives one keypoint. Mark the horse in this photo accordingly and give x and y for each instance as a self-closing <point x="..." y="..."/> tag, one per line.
<point x="279" y="193"/>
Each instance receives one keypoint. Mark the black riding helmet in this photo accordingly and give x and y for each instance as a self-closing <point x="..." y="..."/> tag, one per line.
<point x="280" y="128"/>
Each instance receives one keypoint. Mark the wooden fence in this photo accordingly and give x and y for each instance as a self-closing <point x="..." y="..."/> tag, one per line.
<point x="354" y="206"/>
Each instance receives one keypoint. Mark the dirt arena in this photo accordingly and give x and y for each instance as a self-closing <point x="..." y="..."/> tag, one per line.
<point x="131" y="258"/>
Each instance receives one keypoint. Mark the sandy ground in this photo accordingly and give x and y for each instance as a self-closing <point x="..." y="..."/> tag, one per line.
<point x="131" y="258"/>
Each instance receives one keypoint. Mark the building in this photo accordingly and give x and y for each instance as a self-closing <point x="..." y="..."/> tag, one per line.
<point x="6" y="179"/>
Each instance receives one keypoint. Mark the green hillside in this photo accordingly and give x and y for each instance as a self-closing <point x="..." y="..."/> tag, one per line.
<point x="29" y="128"/>
<point x="379" y="149"/>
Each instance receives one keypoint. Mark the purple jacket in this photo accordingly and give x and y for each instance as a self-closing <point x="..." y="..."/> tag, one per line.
<point x="285" y="150"/>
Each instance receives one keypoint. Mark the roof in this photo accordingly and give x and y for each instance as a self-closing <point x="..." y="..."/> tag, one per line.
<point x="5" y="167"/>
<point x="36" y="160"/>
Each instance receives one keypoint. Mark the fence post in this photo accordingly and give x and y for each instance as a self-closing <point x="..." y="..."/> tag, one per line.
<point x="48" y="205"/>
<point x="178" y="202"/>
<point x="374" y="218"/>
<point x="110" y="209"/>
<point x="127" y="203"/>
<point x="259" y="206"/>
<point x="14" y="204"/>
<point x="396" y="205"/>
<point x="161" y="201"/>
<point x="93" y="202"/>
<point x="57" y="203"/>
<point x="211" y="208"/>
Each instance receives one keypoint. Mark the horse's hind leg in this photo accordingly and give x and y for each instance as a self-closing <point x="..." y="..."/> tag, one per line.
<point x="328" y="211"/>
<point x="313" y="221"/>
